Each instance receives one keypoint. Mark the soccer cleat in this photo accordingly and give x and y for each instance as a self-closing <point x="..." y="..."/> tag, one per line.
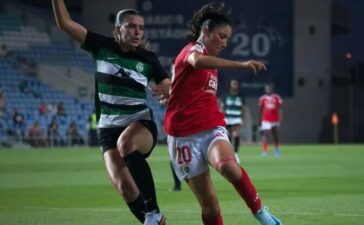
<point x="153" y="218"/>
<point x="266" y="218"/>
<point x="264" y="154"/>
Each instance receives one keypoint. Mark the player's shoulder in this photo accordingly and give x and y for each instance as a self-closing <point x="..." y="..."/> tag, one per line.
<point x="263" y="97"/>
<point x="275" y="95"/>
<point x="196" y="46"/>
<point x="145" y="52"/>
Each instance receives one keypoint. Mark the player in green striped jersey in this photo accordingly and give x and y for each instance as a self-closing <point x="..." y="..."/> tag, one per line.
<point x="235" y="111"/>
<point x="127" y="130"/>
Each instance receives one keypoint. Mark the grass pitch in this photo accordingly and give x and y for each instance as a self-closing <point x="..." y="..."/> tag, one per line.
<point x="308" y="184"/>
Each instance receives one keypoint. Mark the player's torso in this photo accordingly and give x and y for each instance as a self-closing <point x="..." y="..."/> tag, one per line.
<point x="121" y="85"/>
<point x="193" y="100"/>
<point x="233" y="109"/>
<point x="270" y="107"/>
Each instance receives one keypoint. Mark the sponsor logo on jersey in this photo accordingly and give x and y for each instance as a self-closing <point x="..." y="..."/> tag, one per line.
<point x="211" y="86"/>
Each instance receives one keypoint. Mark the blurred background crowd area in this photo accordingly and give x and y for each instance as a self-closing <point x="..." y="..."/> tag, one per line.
<point x="317" y="65"/>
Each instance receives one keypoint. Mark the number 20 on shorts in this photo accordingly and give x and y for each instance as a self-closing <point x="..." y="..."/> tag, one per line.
<point x="184" y="155"/>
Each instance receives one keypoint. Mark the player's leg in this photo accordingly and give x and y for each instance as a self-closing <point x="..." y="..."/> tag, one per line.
<point x="229" y="129"/>
<point x="119" y="174"/>
<point x="266" y="126"/>
<point x="124" y="183"/>
<point x="221" y="158"/>
<point x="275" y="134"/>
<point x="177" y="182"/>
<point x="134" y="144"/>
<point x="236" y="140"/>
<point x="202" y="187"/>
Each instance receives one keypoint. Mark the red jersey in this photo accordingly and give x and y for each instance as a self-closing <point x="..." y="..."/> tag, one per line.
<point x="270" y="106"/>
<point x="192" y="106"/>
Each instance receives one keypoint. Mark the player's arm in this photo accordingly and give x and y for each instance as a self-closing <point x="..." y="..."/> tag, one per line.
<point x="260" y="113"/>
<point x="200" y="61"/>
<point x="162" y="88"/>
<point x="280" y="108"/>
<point x="64" y="21"/>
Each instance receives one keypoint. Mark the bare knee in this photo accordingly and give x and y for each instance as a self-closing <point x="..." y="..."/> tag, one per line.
<point x="125" y="145"/>
<point x="229" y="169"/>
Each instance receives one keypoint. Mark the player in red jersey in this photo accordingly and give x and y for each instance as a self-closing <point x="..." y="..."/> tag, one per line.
<point x="196" y="130"/>
<point x="270" y="116"/>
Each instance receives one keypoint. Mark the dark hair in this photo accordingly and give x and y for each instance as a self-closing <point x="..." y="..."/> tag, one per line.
<point x="209" y="15"/>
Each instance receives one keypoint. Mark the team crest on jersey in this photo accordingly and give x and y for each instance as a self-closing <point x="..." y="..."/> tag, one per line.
<point x="139" y="67"/>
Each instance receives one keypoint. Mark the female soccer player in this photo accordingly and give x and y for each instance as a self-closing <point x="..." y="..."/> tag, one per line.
<point x="235" y="110"/>
<point x="270" y="116"/>
<point x="196" y="127"/>
<point x="127" y="131"/>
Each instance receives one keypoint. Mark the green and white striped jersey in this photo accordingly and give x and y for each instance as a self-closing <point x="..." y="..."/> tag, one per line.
<point x="233" y="109"/>
<point x="121" y="80"/>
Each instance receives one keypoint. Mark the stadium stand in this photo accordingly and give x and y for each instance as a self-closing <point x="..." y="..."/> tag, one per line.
<point x="29" y="48"/>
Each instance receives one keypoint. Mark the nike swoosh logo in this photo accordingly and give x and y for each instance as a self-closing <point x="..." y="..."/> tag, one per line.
<point x="111" y="58"/>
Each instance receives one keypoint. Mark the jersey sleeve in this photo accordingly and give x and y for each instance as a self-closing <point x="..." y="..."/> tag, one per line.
<point x="197" y="47"/>
<point x="280" y="100"/>
<point x="94" y="42"/>
<point x="260" y="102"/>
<point x="159" y="73"/>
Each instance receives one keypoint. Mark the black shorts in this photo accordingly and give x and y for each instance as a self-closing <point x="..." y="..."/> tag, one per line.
<point x="109" y="136"/>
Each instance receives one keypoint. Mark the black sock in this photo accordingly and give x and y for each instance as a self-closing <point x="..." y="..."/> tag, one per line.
<point x="137" y="207"/>
<point x="236" y="144"/>
<point x="142" y="175"/>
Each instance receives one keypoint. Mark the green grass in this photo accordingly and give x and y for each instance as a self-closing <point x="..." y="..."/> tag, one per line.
<point x="309" y="184"/>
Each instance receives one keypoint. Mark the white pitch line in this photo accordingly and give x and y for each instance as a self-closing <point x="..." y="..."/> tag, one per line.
<point x="185" y="211"/>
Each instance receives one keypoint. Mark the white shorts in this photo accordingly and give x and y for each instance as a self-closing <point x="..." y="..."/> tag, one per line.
<point x="189" y="155"/>
<point x="269" y="125"/>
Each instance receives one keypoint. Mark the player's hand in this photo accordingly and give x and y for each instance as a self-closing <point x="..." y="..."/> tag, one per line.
<point x="163" y="100"/>
<point x="160" y="90"/>
<point x="255" y="66"/>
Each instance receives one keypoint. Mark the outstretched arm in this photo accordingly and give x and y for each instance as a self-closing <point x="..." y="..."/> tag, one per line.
<point x="200" y="61"/>
<point x="65" y="22"/>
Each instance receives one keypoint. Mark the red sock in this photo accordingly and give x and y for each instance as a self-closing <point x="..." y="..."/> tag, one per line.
<point x="247" y="191"/>
<point x="212" y="220"/>
<point x="265" y="146"/>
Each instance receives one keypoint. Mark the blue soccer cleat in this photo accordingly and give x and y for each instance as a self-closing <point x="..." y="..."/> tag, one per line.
<point x="266" y="218"/>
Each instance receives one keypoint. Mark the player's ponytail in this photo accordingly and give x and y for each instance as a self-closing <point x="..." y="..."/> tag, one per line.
<point x="209" y="16"/>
